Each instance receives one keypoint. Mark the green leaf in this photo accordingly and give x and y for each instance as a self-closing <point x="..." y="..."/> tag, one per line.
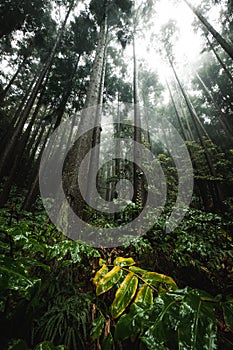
<point x="107" y="343"/>
<point x="164" y="319"/>
<point x="17" y="344"/>
<point x="33" y="263"/>
<point x="14" y="276"/>
<point x="45" y="346"/>
<point x="102" y="262"/>
<point x="228" y="313"/>
<point x="99" y="274"/>
<point x="155" y="278"/>
<point x="109" y="280"/>
<point x="119" y="261"/>
<point x="144" y="295"/>
<point x="124" y="295"/>
<point x="198" y="326"/>
<point x="130" y="324"/>
<point x="137" y="270"/>
<point x="97" y="327"/>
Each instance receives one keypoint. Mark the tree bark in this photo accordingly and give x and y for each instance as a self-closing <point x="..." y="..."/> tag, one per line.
<point x="177" y="114"/>
<point x="226" y="70"/>
<point x="34" y="187"/>
<point x="25" y="113"/>
<point x="85" y="142"/>
<point x="216" y="195"/>
<point x="66" y="95"/>
<point x="221" y="117"/>
<point x="139" y="189"/>
<point x="224" y="44"/>
<point x="12" y="80"/>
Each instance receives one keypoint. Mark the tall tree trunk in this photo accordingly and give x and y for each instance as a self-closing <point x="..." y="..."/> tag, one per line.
<point x="32" y="140"/>
<point x="10" y="130"/>
<point x="35" y="148"/>
<point x="216" y="194"/>
<point x="221" y="116"/>
<point x="34" y="186"/>
<point x="226" y="70"/>
<point x="12" y="80"/>
<point x="198" y="125"/>
<point x="87" y="122"/>
<point x="62" y="106"/>
<point x="94" y="161"/>
<point x="225" y="45"/>
<point x="139" y="189"/>
<point x="25" y="113"/>
<point x="183" y="132"/>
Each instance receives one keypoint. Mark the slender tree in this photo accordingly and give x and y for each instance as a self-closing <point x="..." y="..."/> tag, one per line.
<point x="26" y="111"/>
<point x="222" y="42"/>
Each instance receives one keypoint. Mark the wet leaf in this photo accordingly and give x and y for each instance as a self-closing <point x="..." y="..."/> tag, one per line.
<point x="109" y="280"/>
<point x="119" y="261"/>
<point x="124" y="295"/>
<point x="155" y="279"/>
<point x="144" y="295"/>
<point x="99" y="274"/>
<point x="228" y="313"/>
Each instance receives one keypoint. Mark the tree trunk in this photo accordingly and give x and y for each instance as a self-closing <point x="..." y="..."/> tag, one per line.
<point x="225" y="45"/>
<point x="13" y="121"/>
<point x="226" y="70"/>
<point x="139" y="189"/>
<point x="32" y="139"/>
<point x="94" y="161"/>
<point x="84" y="144"/>
<point x="183" y="132"/>
<point x="221" y="117"/>
<point x="198" y="125"/>
<point x="216" y="195"/>
<point x="34" y="187"/>
<point x="66" y="95"/>
<point x="25" y="113"/>
<point x="12" y="80"/>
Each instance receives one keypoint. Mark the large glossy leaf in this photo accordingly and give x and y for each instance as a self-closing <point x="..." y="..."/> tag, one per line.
<point x="144" y="295"/>
<point x="14" y="276"/>
<point x="124" y="295"/>
<point x="228" y="313"/>
<point x="164" y="318"/>
<point x="197" y="328"/>
<point x="97" y="327"/>
<point x="108" y="342"/>
<point x="109" y="280"/>
<point x="33" y="263"/>
<point x="137" y="270"/>
<point x="155" y="279"/>
<point x="119" y="261"/>
<point x="130" y="324"/>
<point x="99" y="274"/>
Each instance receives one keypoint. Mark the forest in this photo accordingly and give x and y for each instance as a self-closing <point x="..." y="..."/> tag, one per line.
<point x="116" y="172"/>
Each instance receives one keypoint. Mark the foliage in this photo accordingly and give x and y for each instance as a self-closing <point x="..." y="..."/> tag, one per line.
<point x="150" y="309"/>
<point x="36" y="276"/>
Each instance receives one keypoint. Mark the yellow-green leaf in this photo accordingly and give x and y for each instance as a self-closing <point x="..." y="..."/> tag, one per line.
<point x="102" y="262"/>
<point x="137" y="270"/>
<point x="99" y="274"/>
<point x="155" y="278"/>
<point x="108" y="281"/>
<point x="119" y="261"/>
<point x="144" y="295"/>
<point x="124" y="295"/>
